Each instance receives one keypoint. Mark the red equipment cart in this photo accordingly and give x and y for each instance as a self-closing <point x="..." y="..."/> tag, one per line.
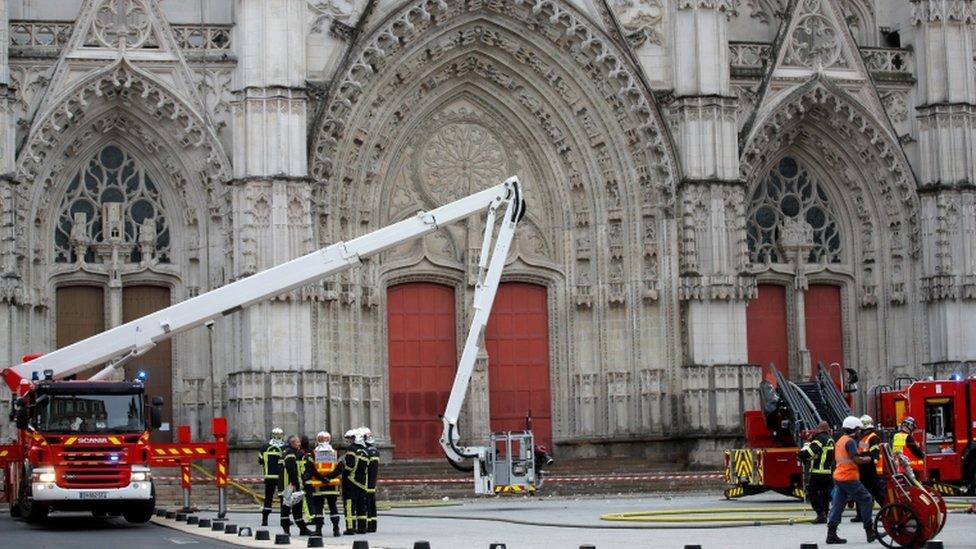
<point x="911" y="515"/>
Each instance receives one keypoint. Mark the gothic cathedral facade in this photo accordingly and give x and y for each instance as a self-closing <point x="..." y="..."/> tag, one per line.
<point x="716" y="187"/>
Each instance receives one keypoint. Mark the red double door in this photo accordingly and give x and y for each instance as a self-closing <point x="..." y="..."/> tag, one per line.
<point x="766" y="326"/>
<point x="422" y="332"/>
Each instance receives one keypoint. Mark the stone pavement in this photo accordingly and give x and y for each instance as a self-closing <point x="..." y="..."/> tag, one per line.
<point x="555" y="523"/>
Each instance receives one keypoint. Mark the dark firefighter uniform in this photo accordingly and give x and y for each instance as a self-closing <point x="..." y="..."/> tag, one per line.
<point x="819" y="454"/>
<point x="270" y="460"/>
<point x="372" y="469"/>
<point x="320" y="489"/>
<point x="353" y="469"/>
<point x="870" y="445"/>
<point x="292" y="470"/>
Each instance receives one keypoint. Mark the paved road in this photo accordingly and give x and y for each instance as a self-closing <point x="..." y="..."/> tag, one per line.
<point x="567" y="523"/>
<point x="81" y="531"/>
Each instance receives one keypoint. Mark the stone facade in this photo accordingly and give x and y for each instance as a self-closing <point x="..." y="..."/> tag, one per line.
<point x="654" y="137"/>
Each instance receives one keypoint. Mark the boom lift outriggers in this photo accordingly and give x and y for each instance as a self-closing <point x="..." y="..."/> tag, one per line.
<point x="43" y="438"/>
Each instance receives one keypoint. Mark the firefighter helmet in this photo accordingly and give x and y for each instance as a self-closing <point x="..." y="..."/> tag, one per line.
<point x="908" y="422"/>
<point x="323" y="437"/>
<point x="277" y="433"/>
<point x="367" y="434"/>
<point x="867" y="421"/>
<point x="851" y="423"/>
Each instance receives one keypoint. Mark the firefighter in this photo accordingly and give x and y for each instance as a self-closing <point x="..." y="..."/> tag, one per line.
<point x="870" y="445"/>
<point x="293" y="465"/>
<point x="848" y="484"/>
<point x="819" y="454"/>
<point x="353" y="469"/>
<point x="270" y="460"/>
<point x="372" y="468"/>
<point x="902" y="439"/>
<point x="322" y="490"/>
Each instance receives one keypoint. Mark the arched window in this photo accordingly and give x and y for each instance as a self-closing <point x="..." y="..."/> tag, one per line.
<point x="111" y="205"/>
<point x="789" y="194"/>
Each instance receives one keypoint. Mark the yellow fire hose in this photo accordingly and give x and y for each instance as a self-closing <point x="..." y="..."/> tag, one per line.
<point x="236" y="485"/>
<point x="729" y="516"/>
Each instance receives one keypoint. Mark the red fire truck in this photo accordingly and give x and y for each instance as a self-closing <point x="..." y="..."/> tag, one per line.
<point x="775" y="432"/>
<point x="945" y="415"/>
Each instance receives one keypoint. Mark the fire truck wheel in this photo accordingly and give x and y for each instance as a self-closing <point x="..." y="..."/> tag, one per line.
<point x="141" y="512"/>
<point x="29" y="510"/>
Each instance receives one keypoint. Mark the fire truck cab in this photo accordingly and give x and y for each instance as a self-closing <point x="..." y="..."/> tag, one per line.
<point x="86" y="446"/>
<point x="946" y="426"/>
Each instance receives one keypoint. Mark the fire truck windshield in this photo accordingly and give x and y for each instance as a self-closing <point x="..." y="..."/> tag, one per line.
<point x="89" y="413"/>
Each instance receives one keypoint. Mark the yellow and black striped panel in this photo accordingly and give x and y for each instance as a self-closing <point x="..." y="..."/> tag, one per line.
<point x="515" y="489"/>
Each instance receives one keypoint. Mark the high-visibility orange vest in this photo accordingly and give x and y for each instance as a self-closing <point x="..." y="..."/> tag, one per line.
<point x="325" y="463"/>
<point x="845" y="469"/>
<point x="869" y="443"/>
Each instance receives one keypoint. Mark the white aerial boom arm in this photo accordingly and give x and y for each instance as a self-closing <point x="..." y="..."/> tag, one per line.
<point x="489" y="276"/>
<point x="134" y="338"/>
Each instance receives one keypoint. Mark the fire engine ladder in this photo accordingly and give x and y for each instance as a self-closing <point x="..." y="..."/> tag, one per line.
<point x="804" y="412"/>
<point x="826" y="398"/>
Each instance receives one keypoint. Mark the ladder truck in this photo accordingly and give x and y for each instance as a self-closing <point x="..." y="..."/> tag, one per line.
<point x="85" y="445"/>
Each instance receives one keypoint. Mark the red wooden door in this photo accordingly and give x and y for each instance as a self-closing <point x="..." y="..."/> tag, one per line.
<point x="137" y="302"/>
<point x="766" y="328"/>
<point x="423" y="359"/>
<point x="517" y="341"/>
<point x="825" y="333"/>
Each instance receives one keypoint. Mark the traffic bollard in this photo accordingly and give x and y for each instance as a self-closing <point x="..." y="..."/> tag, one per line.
<point x="262" y="535"/>
<point x="170" y="514"/>
<point x="180" y="517"/>
<point x="230" y="529"/>
<point x="587" y="547"/>
<point x="808" y="546"/>
<point x="315" y="541"/>
<point x="160" y="512"/>
<point x="360" y="544"/>
<point x="421" y="545"/>
<point x="192" y="520"/>
<point x="282" y="539"/>
<point x="244" y="532"/>
<point x="204" y="523"/>
<point x="217" y="526"/>
<point x="494" y="546"/>
<point x="693" y="547"/>
<point x="934" y="544"/>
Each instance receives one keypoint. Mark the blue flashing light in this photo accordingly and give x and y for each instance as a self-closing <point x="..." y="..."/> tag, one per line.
<point x="35" y="376"/>
<point x="142" y="376"/>
<point x="113" y="458"/>
<point x="956" y="376"/>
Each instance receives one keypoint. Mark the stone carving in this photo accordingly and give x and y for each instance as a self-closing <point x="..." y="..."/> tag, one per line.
<point x="641" y="20"/>
<point x="122" y="24"/>
<point x="214" y="88"/>
<point x="924" y="11"/>
<point x="896" y="105"/>
<point x="143" y="95"/>
<point x="27" y="82"/>
<point x="796" y="233"/>
<point x="329" y="10"/>
<point x="460" y="158"/>
<point x="814" y="43"/>
<point x="766" y="11"/>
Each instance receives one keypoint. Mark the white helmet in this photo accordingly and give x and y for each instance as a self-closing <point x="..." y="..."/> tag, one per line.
<point x="851" y="422"/>
<point x="367" y="435"/>
<point x="277" y="433"/>
<point x="867" y="421"/>
<point x="349" y="435"/>
<point x="323" y="437"/>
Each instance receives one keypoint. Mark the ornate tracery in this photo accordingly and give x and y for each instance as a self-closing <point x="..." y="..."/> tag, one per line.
<point x="112" y="202"/>
<point x="790" y="197"/>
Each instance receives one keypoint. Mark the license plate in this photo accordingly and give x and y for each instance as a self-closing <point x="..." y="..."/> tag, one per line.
<point x="93" y="495"/>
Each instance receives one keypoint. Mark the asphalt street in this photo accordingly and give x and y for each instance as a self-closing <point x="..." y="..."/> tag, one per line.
<point x="82" y="531"/>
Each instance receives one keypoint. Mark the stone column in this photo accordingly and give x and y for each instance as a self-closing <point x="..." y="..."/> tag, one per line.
<point x="946" y="112"/>
<point x="713" y="286"/>
<point x="271" y="208"/>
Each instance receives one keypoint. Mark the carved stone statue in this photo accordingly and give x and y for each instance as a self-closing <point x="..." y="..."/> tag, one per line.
<point x="80" y="240"/>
